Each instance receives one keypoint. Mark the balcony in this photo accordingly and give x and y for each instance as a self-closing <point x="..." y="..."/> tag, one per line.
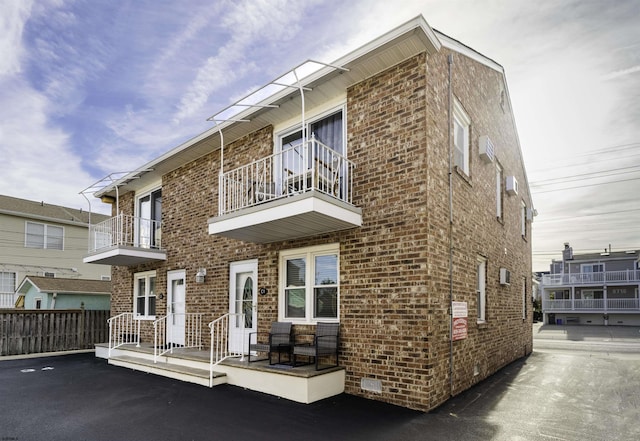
<point x="591" y="305"/>
<point x="601" y="278"/>
<point x="125" y="241"/>
<point x="303" y="191"/>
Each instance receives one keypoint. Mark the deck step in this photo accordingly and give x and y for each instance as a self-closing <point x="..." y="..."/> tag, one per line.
<point x="170" y="370"/>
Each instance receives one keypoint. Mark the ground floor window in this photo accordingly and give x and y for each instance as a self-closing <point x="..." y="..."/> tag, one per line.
<point x="144" y="295"/>
<point x="309" y="284"/>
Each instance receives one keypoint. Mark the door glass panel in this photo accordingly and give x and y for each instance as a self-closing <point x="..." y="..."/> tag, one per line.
<point x="247" y="302"/>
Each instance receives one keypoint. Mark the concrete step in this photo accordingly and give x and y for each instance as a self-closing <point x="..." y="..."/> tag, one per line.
<point x="169" y="370"/>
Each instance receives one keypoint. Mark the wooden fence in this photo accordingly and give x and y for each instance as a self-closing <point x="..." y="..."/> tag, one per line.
<point x="36" y="331"/>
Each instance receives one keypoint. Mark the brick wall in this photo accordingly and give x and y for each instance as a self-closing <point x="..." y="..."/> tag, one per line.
<point x="394" y="274"/>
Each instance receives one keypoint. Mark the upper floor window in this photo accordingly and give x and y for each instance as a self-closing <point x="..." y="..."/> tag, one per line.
<point x="323" y="152"/>
<point x="44" y="236"/>
<point x="309" y="284"/>
<point x="523" y="219"/>
<point x="144" y="295"/>
<point x="499" y="191"/>
<point x="461" y="128"/>
<point x="148" y="234"/>
<point x="592" y="268"/>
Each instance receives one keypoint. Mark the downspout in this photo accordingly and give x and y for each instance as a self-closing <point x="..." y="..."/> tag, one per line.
<point x="450" y="144"/>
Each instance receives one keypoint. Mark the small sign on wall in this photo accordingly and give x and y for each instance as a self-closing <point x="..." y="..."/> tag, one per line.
<point x="459" y="309"/>
<point x="459" y="328"/>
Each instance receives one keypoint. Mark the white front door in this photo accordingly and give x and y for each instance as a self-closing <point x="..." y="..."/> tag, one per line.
<point x="176" y="307"/>
<point x="243" y="277"/>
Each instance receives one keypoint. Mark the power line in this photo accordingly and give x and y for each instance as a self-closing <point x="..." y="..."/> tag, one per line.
<point x="583" y="186"/>
<point x="584" y="176"/>
<point x="588" y="215"/>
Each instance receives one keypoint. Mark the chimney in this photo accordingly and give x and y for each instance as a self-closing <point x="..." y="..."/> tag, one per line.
<point x="567" y="253"/>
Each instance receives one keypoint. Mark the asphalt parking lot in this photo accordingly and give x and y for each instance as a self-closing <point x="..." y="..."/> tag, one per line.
<point x="586" y="392"/>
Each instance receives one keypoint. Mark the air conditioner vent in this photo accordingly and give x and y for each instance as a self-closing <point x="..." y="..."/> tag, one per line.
<point x="512" y="186"/>
<point x="505" y="276"/>
<point x="486" y="149"/>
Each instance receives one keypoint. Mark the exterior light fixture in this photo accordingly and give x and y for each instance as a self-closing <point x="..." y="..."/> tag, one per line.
<point x="200" y="275"/>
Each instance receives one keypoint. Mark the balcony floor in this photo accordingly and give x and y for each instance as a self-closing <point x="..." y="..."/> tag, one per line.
<point x="125" y="256"/>
<point x="300" y="215"/>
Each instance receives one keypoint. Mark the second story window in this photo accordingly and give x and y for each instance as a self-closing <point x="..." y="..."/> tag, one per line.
<point x="149" y="219"/>
<point x="461" y="128"/>
<point x="44" y="236"/>
<point x="499" y="191"/>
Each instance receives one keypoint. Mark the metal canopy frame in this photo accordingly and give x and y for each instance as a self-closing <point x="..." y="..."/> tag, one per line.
<point x="261" y="98"/>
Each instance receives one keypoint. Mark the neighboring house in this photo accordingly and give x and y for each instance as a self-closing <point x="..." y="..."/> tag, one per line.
<point x="392" y="192"/>
<point x="56" y="293"/>
<point x="40" y="239"/>
<point x="593" y="288"/>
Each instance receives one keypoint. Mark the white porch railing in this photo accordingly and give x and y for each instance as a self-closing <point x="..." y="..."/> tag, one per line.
<point x="221" y="343"/>
<point x="125" y="230"/>
<point x="304" y="167"/>
<point x="7" y="300"/>
<point x="164" y="337"/>
<point x="592" y="278"/>
<point x="591" y="305"/>
<point x="123" y="329"/>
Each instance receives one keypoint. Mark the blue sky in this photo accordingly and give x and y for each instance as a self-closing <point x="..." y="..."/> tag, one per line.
<point x="91" y="87"/>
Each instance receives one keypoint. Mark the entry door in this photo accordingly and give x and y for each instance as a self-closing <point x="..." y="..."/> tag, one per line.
<point x="243" y="278"/>
<point x="176" y="306"/>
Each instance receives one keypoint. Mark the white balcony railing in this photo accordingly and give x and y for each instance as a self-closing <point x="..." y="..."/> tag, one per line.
<point x="591" y="278"/>
<point x="127" y="231"/>
<point x="304" y="167"/>
<point x="591" y="305"/>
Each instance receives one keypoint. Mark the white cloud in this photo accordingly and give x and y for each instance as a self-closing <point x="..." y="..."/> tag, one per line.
<point x="13" y="15"/>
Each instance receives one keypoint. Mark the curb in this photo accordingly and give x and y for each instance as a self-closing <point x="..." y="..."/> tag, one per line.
<point x="43" y="354"/>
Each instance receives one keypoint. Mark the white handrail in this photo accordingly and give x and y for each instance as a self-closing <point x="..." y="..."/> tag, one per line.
<point x="219" y="330"/>
<point x="121" y="330"/>
<point x="163" y="333"/>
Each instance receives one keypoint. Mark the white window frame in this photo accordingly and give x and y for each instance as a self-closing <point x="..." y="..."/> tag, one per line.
<point x="523" y="219"/>
<point x="6" y="288"/>
<point x="155" y="235"/>
<point x="461" y="146"/>
<point x="481" y="288"/>
<point x="45" y="236"/>
<point x="524" y="298"/>
<point x="499" y="179"/>
<point x="309" y="254"/>
<point x="147" y="276"/>
<point x="37" y="303"/>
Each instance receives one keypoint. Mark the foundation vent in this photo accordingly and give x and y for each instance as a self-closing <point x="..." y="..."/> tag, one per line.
<point x="371" y="385"/>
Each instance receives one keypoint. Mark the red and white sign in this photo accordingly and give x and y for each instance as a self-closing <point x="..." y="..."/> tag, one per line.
<point x="459" y="328"/>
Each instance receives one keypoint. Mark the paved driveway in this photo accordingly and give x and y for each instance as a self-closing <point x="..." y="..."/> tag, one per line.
<point x="555" y="394"/>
